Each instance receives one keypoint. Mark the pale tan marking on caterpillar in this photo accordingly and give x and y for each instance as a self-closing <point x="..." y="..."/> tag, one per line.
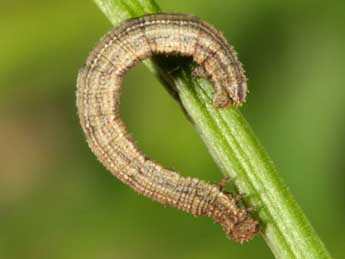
<point x="98" y="92"/>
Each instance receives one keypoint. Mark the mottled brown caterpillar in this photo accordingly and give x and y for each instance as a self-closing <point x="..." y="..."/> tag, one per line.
<point x="98" y="92"/>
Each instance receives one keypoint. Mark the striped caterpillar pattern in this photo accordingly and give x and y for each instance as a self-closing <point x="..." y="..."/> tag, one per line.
<point x="98" y="92"/>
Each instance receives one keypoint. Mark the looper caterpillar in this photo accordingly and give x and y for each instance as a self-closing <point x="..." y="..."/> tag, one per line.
<point x="98" y="91"/>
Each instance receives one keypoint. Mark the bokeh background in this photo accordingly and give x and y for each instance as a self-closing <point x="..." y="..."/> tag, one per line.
<point x="58" y="201"/>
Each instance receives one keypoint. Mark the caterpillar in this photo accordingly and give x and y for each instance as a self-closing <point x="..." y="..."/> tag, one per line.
<point x="98" y="93"/>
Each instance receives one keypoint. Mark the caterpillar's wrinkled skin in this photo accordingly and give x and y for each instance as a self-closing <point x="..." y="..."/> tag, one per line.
<point x="98" y="92"/>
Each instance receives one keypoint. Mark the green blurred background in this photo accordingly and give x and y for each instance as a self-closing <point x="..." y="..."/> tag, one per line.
<point x="58" y="201"/>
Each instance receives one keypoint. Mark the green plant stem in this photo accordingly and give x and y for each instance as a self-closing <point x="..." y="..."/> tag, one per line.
<point x="236" y="150"/>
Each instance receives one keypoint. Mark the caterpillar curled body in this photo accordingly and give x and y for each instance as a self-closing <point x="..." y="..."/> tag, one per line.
<point x="98" y="92"/>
